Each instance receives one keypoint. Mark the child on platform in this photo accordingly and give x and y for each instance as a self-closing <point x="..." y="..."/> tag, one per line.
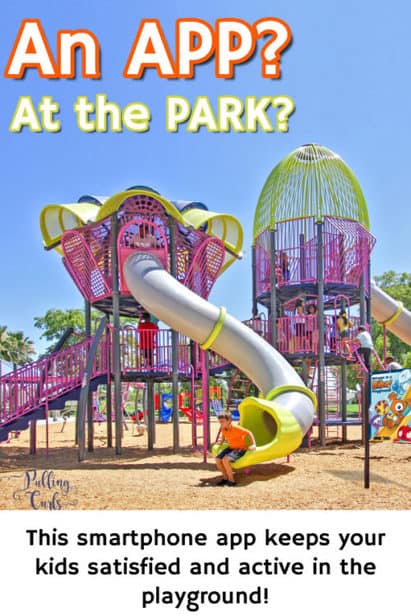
<point x="147" y="331"/>
<point x="239" y="441"/>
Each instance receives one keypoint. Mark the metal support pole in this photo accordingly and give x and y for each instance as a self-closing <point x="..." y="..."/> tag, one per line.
<point x="85" y="385"/>
<point x="384" y="333"/>
<point x="363" y="302"/>
<point x="254" y="280"/>
<point x="305" y="377"/>
<point x="145" y="403"/>
<point x="368" y="293"/>
<point x="174" y="362"/>
<point x="194" y="409"/>
<point x="33" y="437"/>
<point x="304" y="371"/>
<point x="77" y="425"/>
<point x="16" y="387"/>
<point x="321" y="334"/>
<point x="302" y="257"/>
<point x="367" y="389"/>
<point x="174" y="342"/>
<point x="116" y="334"/>
<point x="151" y="419"/>
<point x="273" y="289"/>
<point x="109" y="413"/>
<point x="344" y="400"/>
<point x="366" y="425"/>
<point x="193" y="357"/>
<point x="90" y="425"/>
<point x="208" y="418"/>
<point x="205" y="391"/>
<point x="47" y="414"/>
<point x="109" y="418"/>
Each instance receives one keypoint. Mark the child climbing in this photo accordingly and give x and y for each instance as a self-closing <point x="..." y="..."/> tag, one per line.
<point x="237" y="438"/>
<point x="366" y="346"/>
<point x="344" y="326"/>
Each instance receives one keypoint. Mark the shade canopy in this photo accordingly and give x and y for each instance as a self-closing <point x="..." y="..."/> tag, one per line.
<point x="55" y="219"/>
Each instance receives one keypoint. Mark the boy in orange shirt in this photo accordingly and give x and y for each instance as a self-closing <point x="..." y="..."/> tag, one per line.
<point x="238" y="440"/>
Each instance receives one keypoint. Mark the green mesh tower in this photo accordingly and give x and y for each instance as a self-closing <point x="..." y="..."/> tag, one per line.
<point x="311" y="246"/>
<point x="311" y="181"/>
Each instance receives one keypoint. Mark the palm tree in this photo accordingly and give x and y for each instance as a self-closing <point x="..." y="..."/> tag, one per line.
<point x="15" y="347"/>
<point x="21" y="348"/>
<point x="5" y="343"/>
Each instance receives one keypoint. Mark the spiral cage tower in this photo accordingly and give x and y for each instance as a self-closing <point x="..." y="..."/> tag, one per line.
<point x="311" y="254"/>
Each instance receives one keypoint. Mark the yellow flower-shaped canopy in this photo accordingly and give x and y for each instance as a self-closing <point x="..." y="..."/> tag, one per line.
<point x="55" y="219"/>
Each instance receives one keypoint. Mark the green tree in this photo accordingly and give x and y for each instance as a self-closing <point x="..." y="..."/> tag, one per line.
<point x="398" y="285"/>
<point x="55" y="322"/>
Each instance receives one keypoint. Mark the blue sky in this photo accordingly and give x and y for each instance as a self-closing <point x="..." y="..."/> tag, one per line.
<point x="347" y="71"/>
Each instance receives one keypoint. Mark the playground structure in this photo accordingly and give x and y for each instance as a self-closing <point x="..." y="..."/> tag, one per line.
<point x="137" y="251"/>
<point x="312" y="247"/>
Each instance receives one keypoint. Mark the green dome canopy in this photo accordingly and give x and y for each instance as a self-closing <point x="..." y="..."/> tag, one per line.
<point x="311" y="181"/>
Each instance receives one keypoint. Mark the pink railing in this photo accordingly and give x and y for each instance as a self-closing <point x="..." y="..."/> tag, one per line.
<point x="346" y="250"/>
<point x="299" y="334"/>
<point x="30" y="386"/>
<point x="259" y="324"/>
<point x="347" y="247"/>
<point x="154" y="353"/>
<point x="343" y="261"/>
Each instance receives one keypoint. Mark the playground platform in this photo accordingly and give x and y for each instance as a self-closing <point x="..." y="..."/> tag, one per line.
<point x="31" y="391"/>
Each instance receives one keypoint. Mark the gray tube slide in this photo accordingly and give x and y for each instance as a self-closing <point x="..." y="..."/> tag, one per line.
<point x="385" y="307"/>
<point x="189" y="314"/>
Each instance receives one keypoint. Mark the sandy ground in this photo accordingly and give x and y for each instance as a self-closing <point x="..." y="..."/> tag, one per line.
<point x="315" y="478"/>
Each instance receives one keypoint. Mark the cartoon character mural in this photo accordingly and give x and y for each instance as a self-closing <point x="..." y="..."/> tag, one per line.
<point x="390" y="412"/>
<point x="401" y="383"/>
<point x="376" y="415"/>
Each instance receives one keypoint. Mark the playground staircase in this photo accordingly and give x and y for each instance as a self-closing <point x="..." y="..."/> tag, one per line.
<point x="29" y="392"/>
<point x="374" y="355"/>
<point x="332" y="396"/>
<point x="335" y="418"/>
